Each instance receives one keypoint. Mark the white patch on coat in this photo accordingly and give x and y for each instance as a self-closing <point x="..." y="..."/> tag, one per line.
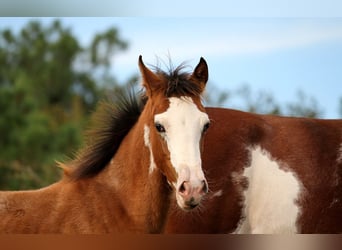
<point x="270" y="199"/>
<point x="148" y="145"/>
<point x="339" y="155"/>
<point x="218" y="193"/>
<point x="184" y="123"/>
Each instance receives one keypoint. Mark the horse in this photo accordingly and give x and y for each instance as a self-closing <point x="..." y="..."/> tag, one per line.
<point x="267" y="174"/>
<point x="137" y="157"/>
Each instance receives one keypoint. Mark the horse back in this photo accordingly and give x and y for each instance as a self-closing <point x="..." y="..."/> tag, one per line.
<point x="63" y="207"/>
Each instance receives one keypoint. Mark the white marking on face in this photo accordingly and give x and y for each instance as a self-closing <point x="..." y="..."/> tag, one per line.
<point x="183" y="123"/>
<point x="148" y="145"/>
<point x="270" y="199"/>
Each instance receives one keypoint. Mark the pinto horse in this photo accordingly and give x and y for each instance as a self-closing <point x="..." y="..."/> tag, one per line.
<point x="136" y="158"/>
<point x="268" y="174"/>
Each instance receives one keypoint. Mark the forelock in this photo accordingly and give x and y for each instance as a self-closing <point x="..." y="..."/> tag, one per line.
<point x="177" y="82"/>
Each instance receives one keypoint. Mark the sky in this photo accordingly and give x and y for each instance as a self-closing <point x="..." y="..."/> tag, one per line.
<point x="159" y="8"/>
<point x="280" y="55"/>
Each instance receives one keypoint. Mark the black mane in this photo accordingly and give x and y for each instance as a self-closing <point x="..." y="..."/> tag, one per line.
<point x="116" y="116"/>
<point x="110" y="124"/>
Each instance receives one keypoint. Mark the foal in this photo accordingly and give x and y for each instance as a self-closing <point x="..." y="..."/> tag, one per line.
<point x="123" y="179"/>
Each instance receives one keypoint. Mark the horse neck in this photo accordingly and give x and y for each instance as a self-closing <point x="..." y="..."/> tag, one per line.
<point x="144" y="195"/>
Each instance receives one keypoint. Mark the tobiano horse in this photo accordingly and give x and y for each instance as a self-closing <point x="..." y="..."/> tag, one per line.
<point x="138" y="156"/>
<point x="267" y="174"/>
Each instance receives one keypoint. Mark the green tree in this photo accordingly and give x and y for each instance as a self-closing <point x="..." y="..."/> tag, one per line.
<point x="305" y="106"/>
<point x="48" y="85"/>
<point x="263" y="102"/>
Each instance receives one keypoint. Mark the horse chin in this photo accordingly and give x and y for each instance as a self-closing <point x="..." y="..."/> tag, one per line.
<point x="186" y="205"/>
<point x="189" y="208"/>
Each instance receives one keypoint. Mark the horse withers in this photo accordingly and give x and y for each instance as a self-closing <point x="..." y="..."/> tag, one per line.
<point x="137" y="153"/>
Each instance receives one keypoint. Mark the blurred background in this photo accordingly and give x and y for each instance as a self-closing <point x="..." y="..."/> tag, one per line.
<point x="53" y="72"/>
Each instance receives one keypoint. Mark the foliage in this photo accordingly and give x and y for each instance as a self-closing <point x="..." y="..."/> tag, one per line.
<point x="263" y="102"/>
<point x="48" y="86"/>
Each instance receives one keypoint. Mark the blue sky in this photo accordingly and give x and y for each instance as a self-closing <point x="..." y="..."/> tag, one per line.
<point x="279" y="55"/>
<point x="192" y="8"/>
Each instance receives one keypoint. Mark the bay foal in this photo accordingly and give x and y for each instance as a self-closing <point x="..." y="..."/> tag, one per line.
<point x="121" y="181"/>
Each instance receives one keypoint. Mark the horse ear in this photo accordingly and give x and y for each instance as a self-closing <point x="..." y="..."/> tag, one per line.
<point x="200" y="74"/>
<point x="150" y="80"/>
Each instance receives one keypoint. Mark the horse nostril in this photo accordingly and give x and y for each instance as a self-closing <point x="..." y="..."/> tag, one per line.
<point x="182" y="188"/>
<point x="205" y="188"/>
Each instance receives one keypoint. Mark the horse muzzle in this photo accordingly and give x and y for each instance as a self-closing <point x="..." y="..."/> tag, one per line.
<point x="189" y="194"/>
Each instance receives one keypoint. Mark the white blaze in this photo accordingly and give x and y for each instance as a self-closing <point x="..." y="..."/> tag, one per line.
<point x="183" y="123"/>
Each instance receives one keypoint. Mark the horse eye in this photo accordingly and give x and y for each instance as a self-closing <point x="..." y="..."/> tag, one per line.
<point x="206" y="126"/>
<point x="160" y="128"/>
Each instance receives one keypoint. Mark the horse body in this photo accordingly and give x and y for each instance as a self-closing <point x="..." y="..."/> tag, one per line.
<point x="268" y="174"/>
<point x="265" y="174"/>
